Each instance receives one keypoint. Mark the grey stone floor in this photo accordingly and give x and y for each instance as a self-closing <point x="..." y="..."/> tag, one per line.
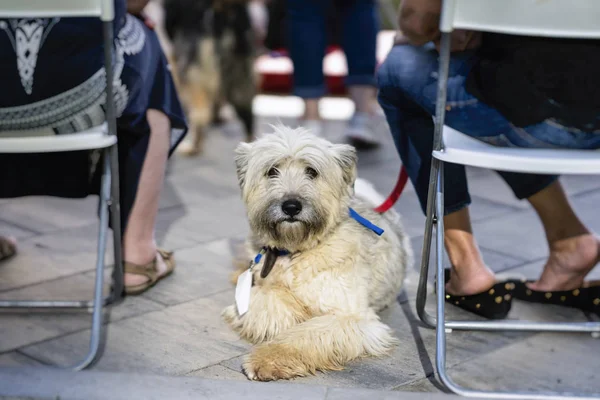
<point x="175" y="328"/>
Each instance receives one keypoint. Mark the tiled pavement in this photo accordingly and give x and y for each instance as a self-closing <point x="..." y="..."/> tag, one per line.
<point x="175" y="328"/>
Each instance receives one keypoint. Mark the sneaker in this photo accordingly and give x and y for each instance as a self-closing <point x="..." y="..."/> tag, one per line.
<point x="360" y="132"/>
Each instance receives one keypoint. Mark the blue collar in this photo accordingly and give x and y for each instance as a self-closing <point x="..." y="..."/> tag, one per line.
<point x="353" y="214"/>
<point x="264" y="250"/>
<point x="365" y="222"/>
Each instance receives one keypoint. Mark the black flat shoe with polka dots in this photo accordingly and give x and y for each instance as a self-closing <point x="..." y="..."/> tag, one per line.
<point x="586" y="298"/>
<point x="494" y="303"/>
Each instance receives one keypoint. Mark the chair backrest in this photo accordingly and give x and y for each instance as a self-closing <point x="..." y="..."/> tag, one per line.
<point x="553" y="18"/>
<point x="103" y="9"/>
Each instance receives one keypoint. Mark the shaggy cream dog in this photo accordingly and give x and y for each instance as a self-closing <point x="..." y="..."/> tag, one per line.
<point x="323" y="272"/>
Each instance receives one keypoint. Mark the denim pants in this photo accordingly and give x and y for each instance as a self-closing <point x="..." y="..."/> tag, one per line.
<point x="307" y="41"/>
<point x="407" y="83"/>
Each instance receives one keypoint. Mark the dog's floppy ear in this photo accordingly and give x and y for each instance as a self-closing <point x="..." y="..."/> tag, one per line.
<point x="242" y="156"/>
<point x="346" y="157"/>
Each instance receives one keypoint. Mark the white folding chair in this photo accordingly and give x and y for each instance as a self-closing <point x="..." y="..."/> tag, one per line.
<point x="100" y="137"/>
<point x="550" y="18"/>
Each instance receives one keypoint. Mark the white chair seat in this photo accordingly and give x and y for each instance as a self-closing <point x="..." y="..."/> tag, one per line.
<point x="94" y="138"/>
<point x="462" y="149"/>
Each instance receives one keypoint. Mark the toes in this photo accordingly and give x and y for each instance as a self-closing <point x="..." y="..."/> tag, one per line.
<point x="272" y="362"/>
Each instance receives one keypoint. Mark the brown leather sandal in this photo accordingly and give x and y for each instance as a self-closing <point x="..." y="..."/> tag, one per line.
<point x="149" y="271"/>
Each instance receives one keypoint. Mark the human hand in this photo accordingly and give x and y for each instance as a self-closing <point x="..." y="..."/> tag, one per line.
<point x="147" y="20"/>
<point x="461" y="40"/>
<point x="419" y="20"/>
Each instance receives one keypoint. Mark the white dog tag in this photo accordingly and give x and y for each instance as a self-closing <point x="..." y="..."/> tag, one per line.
<point x="242" y="292"/>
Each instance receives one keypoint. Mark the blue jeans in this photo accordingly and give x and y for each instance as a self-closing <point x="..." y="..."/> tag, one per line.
<point x="308" y="40"/>
<point x="407" y="83"/>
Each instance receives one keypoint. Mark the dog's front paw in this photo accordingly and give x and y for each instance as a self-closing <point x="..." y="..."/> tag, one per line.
<point x="231" y="316"/>
<point x="270" y="362"/>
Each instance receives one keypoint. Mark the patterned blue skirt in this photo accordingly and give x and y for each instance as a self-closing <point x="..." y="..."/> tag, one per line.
<point x="53" y="80"/>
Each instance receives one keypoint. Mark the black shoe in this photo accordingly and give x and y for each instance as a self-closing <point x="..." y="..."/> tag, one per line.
<point x="585" y="298"/>
<point x="494" y="303"/>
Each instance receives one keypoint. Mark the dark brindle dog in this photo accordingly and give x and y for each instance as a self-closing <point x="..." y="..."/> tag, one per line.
<point x="214" y="55"/>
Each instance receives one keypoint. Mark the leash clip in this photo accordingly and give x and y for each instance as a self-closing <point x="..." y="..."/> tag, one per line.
<point x="257" y="258"/>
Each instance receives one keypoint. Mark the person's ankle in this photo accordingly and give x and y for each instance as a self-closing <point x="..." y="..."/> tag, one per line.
<point x="139" y="252"/>
<point x="566" y="232"/>
<point x="470" y="279"/>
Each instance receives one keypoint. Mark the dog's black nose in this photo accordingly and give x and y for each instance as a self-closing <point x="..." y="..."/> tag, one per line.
<point x="291" y="207"/>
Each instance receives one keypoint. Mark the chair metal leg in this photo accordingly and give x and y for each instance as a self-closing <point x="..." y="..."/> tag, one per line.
<point x="442" y="325"/>
<point x="440" y="111"/>
<point x="432" y="210"/>
<point x="97" y="314"/>
<point x="109" y="204"/>
<point x="117" y="290"/>
<point x="435" y="213"/>
<point x="97" y="304"/>
<point x="432" y="216"/>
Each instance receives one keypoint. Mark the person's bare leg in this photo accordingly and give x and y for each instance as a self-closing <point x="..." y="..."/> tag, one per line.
<point x="574" y="250"/>
<point x="311" y="110"/>
<point x="139" y="245"/>
<point x="364" y="98"/>
<point x="469" y="274"/>
<point x="361" y="129"/>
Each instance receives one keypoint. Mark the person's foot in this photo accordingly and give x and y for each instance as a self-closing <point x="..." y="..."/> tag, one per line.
<point x="139" y="259"/>
<point x="8" y="247"/>
<point x="360" y="131"/>
<point x="569" y="262"/>
<point x="469" y="281"/>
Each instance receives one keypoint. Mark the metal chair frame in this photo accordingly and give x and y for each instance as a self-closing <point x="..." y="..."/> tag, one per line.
<point x="450" y="19"/>
<point x="104" y="138"/>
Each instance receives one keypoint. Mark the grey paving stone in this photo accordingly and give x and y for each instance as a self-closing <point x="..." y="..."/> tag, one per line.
<point x="35" y="264"/>
<point x="18" y="232"/>
<point x="519" y="234"/>
<point x="423" y="385"/>
<point x="217" y="372"/>
<point x="362" y="394"/>
<point x="68" y="241"/>
<point x="539" y="363"/>
<point x="46" y="214"/>
<point x="23" y="328"/>
<point x="586" y="205"/>
<point x="199" y="273"/>
<point x="14" y="359"/>
<point x="579" y="184"/>
<point x="49" y="383"/>
<point x="198" y="187"/>
<point x="173" y="341"/>
<point x="181" y="228"/>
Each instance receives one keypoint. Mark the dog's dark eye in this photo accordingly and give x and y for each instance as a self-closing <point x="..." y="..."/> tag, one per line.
<point x="311" y="172"/>
<point x="272" y="172"/>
